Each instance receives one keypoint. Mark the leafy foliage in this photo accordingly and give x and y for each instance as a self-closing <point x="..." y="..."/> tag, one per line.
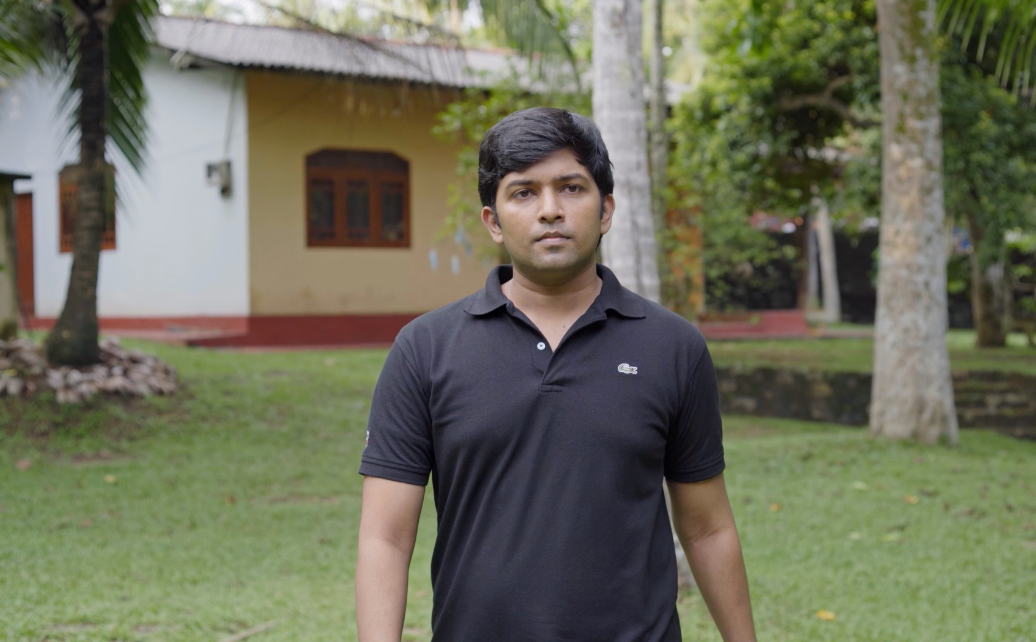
<point x="1014" y="21"/>
<point x="989" y="149"/>
<point x="769" y="129"/>
<point x="740" y="148"/>
<point x="535" y="27"/>
<point x="361" y="22"/>
<point x="23" y="38"/>
<point x="129" y="47"/>
<point x="43" y="37"/>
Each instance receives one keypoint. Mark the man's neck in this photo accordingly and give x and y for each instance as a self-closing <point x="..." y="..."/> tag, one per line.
<point x="572" y="297"/>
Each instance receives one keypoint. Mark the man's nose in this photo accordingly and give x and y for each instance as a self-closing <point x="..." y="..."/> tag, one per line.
<point x="550" y="207"/>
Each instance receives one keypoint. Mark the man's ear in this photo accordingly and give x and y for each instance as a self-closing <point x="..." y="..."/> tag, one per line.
<point x="492" y="223"/>
<point x="607" y="209"/>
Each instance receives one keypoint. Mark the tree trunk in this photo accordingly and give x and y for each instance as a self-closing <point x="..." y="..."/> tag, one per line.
<point x="832" y="311"/>
<point x="991" y="295"/>
<point x="912" y="393"/>
<point x="658" y="141"/>
<point x="73" y="340"/>
<point x="659" y="163"/>
<point x="990" y="304"/>
<point x="455" y="17"/>
<point x="812" y="268"/>
<point x="629" y="249"/>
<point x="9" y="301"/>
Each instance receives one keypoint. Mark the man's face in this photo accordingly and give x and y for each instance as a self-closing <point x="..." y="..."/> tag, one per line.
<point x="550" y="218"/>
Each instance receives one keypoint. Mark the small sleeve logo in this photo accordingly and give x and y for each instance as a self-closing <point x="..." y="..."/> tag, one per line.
<point x="626" y="368"/>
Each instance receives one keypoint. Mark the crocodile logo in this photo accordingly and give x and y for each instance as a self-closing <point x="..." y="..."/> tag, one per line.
<point x="626" y="368"/>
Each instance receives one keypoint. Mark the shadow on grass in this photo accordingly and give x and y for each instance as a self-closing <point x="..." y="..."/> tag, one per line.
<point x="102" y="423"/>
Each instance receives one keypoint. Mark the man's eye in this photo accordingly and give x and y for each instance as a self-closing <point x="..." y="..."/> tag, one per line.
<point x="572" y="189"/>
<point x="522" y="193"/>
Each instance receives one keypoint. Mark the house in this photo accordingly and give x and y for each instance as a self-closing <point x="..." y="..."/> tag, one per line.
<point x="294" y="192"/>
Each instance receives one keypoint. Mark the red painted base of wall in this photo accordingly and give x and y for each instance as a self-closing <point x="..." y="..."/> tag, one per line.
<point x="760" y="324"/>
<point x="257" y="331"/>
<point x="316" y="330"/>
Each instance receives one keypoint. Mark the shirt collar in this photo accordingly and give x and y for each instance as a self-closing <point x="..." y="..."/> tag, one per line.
<point x="612" y="297"/>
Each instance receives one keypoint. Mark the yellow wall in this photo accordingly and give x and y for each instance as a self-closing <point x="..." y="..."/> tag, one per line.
<point x="291" y="116"/>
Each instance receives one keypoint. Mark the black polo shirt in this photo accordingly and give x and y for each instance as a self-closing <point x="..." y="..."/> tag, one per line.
<point x="547" y="466"/>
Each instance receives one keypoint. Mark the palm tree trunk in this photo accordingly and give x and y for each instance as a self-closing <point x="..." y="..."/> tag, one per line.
<point x="73" y="341"/>
<point x="618" y="103"/>
<point x="912" y="393"/>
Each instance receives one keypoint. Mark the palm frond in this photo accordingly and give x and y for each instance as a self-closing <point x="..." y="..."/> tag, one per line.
<point x="129" y="48"/>
<point x="23" y="37"/>
<point x="1016" y="50"/>
<point x="530" y="27"/>
<point x="300" y="21"/>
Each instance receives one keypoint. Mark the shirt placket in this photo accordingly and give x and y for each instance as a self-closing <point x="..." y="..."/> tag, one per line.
<point x="545" y="360"/>
<point x="532" y="340"/>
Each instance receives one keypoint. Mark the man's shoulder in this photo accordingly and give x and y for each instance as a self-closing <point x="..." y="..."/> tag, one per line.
<point x="666" y="325"/>
<point x="429" y="327"/>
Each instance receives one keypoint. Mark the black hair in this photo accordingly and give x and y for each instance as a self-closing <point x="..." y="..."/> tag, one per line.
<point x="526" y="137"/>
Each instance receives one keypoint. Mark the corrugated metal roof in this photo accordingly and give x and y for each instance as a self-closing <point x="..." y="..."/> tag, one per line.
<point x="268" y="47"/>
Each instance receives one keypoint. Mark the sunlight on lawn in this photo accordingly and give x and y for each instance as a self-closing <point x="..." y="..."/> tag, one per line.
<point x="237" y="503"/>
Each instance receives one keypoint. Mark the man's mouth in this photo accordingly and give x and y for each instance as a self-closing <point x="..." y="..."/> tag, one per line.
<point x="552" y="238"/>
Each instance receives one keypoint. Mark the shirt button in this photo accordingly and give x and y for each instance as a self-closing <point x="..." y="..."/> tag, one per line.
<point x="541" y="346"/>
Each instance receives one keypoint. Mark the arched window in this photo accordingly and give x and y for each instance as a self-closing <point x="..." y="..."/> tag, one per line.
<point x="68" y="184"/>
<point x="357" y="199"/>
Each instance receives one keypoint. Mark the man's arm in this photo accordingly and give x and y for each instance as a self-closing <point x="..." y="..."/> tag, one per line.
<point x="705" y="525"/>
<point x="388" y="528"/>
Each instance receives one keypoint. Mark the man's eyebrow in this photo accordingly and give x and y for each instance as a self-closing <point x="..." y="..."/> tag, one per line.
<point x="568" y="177"/>
<point x="524" y="182"/>
<point x="519" y="182"/>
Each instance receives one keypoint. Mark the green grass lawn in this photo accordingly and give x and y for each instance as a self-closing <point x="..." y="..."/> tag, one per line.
<point x="857" y="355"/>
<point x="236" y="503"/>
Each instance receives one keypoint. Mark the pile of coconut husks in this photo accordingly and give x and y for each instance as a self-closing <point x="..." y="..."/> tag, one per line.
<point x="24" y="371"/>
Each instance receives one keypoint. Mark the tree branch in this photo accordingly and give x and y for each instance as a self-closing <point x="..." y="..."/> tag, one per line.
<point x="826" y="100"/>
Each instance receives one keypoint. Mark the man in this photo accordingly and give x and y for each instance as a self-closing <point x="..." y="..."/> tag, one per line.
<point x="547" y="408"/>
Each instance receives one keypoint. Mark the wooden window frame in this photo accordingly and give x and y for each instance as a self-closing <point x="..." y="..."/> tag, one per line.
<point x="350" y="170"/>
<point x="68" y="203"/>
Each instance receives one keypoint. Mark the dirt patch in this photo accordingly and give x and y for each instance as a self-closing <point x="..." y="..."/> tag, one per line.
<point x="103" y="456"/>
<point x="73" y="626"/>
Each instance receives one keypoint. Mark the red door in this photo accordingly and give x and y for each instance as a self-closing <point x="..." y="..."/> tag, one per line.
<point x="23" y="243"/>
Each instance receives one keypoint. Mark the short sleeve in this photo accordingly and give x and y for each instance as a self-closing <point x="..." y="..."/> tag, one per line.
<point x="399" y="430"/>
<point x="694" y="447"/>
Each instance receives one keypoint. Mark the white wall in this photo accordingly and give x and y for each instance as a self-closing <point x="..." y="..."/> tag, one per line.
<point x="181" y="247"/>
